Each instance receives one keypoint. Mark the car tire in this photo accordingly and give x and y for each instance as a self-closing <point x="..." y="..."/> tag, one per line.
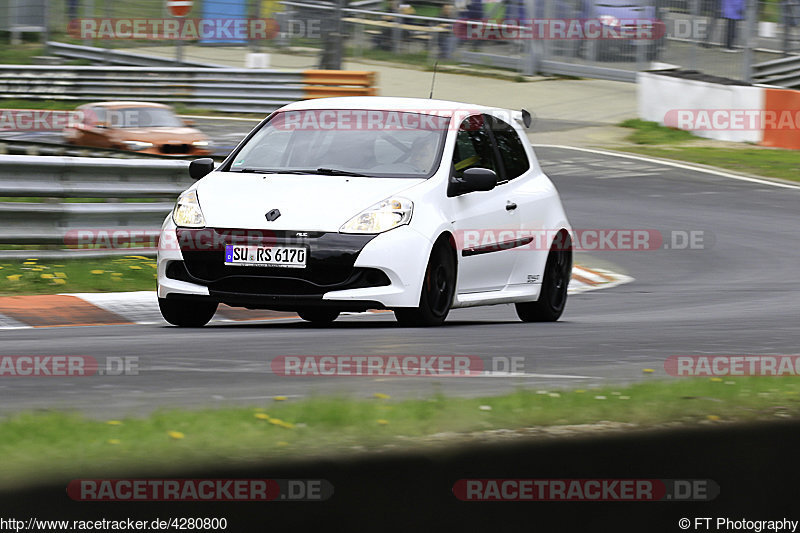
<point x="319" y="317"/>
<point x="438" y="289"/>
<point x="553" y="296"/>
<point x="187" y="313"/>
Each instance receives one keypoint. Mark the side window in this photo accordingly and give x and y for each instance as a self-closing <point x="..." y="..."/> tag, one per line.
<point x="473" y="146"/>
<point x="512" y="151"/>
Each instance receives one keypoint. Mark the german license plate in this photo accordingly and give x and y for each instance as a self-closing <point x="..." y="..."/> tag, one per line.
<point x="266" y="256"/>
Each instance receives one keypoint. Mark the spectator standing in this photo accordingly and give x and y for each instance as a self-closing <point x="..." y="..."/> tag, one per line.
<point x="732" y="12"/>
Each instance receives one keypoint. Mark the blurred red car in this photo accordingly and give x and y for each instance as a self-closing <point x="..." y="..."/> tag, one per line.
<point x="137" y="126"/>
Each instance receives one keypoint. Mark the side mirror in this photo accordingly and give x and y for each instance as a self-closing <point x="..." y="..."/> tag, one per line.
<point x="474" y="179"/>
<point x="201" y="167"/>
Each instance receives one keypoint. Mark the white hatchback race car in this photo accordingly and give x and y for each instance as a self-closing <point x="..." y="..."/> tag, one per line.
<point x="347" y="204"/>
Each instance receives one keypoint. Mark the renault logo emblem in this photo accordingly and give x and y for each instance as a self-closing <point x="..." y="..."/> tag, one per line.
<point x="273" y="214"/>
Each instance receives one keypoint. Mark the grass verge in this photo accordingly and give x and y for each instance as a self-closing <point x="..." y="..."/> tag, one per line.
<point x="56" y="444"/>
<point x="655" y="140"/>
<point x="771" y="163"/>
<point x="34" y="276"/>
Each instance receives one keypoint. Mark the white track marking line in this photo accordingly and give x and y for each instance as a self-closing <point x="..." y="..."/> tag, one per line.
<point x="672" y="164"/>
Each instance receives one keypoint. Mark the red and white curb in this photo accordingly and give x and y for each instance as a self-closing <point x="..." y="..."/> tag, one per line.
<point x="123" y="308"/>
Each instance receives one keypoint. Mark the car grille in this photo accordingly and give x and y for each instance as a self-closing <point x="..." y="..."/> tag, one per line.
<point x="329" y="265"/>
<point x="176" y="148"/>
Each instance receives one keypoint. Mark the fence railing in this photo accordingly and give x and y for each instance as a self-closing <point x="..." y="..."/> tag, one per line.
<point x="119" y="57"/>
<point x="125" y="199"/>
<point x="230" y="90"/>
<point x="783" y="72"/>
<point x="26" y="147"/>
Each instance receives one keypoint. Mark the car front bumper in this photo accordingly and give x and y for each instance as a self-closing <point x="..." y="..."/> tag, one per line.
<point x="344" y="271"/>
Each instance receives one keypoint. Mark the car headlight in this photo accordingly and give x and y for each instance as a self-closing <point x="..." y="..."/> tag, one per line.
<point x="137" y="145"/>
<point x="609" y="20"/>
<point x="380" y="217"/>
<point x="187" y="213"/>
<point x="202" y="144"/>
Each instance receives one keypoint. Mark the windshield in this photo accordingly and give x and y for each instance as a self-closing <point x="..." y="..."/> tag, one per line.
<point x="143" y="117"/>
<point x="356" y="142"/>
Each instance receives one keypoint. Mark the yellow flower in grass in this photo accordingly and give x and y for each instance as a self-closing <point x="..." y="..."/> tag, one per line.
<point x="37" y="269"/>
<point x="134" y="267"/>
<point x="716" y="380"/>
<point x="177" y="435"/>
<point x="14" y="277"/>
<point x="713" y="418"/>
<point x="152" y="265"/>
<point x="61" y="275"/>
<point x="143" y="258"/>
<point x="95" y="272"/>
<point x="46" y="276"/>
<point x="382" y="421"/>
<point x="113" y="441"/>
<point x="116" y="274"/>
<point x="114" y="423"/>
<point x="262" y="416"/>
<point x="381" y="396"/>
<point x="60" y="281"/>
<point x="29" y="263"/>
<point x="279" y="398"/>
<point x="1" y="268"/>
<point x="282" y="443"/>
<point x="280" y="423"/>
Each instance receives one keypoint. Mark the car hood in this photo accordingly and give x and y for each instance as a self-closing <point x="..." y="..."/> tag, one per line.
<point x="159" y="135"/>
<point x="307" y="203"/>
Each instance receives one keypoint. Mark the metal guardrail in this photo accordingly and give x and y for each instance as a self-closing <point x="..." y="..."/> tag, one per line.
<point x="116" y="57"/>
<point x="783" y="72"/>
<point x="229" y="90"/>
<point x="57" y="224"/>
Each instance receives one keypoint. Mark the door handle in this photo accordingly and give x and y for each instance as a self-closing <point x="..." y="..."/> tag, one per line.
<point x="510" y="206"/>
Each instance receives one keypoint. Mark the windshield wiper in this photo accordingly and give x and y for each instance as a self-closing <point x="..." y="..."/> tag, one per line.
<point x="337" y="172"/>
<point x="271" y="171"/>
<point x="324" y="171"/>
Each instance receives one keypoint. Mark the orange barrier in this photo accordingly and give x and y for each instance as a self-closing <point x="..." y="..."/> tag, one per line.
<point x="327" y="83"/>
<point x="361" y="78"/>
<point x="781" y="118"/>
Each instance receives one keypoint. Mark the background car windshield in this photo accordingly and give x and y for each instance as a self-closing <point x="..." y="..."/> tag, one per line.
<point x="143" y="117"/>
<point x="370" y="142"/>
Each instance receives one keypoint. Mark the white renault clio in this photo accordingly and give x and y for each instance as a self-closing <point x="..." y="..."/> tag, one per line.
<point x="348" y="204"/>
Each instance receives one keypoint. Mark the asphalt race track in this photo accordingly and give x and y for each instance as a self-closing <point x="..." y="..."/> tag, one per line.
<point x="736" y="293"/>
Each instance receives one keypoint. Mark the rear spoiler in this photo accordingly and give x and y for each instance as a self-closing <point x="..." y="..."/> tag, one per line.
<point x="523" y="117"/>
